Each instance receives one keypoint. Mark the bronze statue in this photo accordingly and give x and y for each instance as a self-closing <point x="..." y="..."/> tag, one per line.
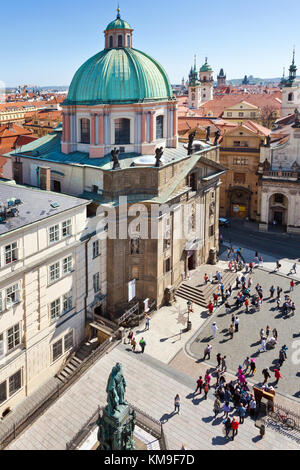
<point x="158" y="154"/>
<point x="268" y="144"/>
<point x="297" y="120"/>
<point x="217" y="136"/>
<point x="208" y="134"/>
<point x="191" y="141"/>
<point x="115" y="158"/>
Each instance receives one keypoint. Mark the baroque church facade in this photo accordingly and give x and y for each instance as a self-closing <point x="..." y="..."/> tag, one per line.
<point x="120" y="104"/>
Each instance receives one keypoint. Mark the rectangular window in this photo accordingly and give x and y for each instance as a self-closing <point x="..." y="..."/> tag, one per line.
<point x="67" y="265"/>
<point x="57" y="350"/>
<point x="11" y="253"/>
<point x="12" y="295"/>
<point x="15" y="383"/>
<point x="54" y="272"/>
<point x="3" y="392"/>
<point x="241" y="114"/>
<point x="96" y="282"/>
<point x="159" y="127"/>
<point x="55" y="309"/>
<point x="168" y="265"/>
<point x="229" y="114"/>
<point x="96" y="249"/>
<point x="1" y="346"/>
<point x="67" y="228"/>
<point x="68" y="340"/>
<point x="68" y="301"/>
<point x="13" y="337"/>
<point x="54" y="234"/>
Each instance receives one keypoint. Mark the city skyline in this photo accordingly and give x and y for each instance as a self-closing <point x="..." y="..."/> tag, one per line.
<point x="68" y="36"/>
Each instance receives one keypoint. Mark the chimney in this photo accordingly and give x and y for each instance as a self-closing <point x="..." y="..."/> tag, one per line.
<point x="45" y="178"/>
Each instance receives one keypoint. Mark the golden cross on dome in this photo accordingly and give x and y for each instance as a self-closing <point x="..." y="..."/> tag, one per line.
<point x="118" y="11"/>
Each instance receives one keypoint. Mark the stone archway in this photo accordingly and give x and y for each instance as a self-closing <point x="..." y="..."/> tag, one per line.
<point x="278" y="210"/>
<point x="239" y="202"/>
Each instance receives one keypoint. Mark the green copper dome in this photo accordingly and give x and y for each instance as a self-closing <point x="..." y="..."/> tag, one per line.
<point x="119" y="75"/>
<point x="118" y="24"/>
<point x="206" y="68"/>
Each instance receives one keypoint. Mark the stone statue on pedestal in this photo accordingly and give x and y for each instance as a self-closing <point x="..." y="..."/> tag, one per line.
<point x="117" y="423"/>
<point x="217" y="136"/>
<point x="158" y="154"/>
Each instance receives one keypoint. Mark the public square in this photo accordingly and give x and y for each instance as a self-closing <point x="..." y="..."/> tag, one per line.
<point x="247" y="341"/>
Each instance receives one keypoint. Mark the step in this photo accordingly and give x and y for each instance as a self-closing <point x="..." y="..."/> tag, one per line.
<point x="74" y="364"/>
<point x="202" y="303"/>
<point x="65" y="374"/>
<point x="76" y="359"/>
<point x="69" y="370"/>
<point x="62" y="378"/>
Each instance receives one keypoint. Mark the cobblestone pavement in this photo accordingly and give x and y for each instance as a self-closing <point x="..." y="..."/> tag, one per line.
<point x="247" y="341"/>
<point x="151" y="386"/>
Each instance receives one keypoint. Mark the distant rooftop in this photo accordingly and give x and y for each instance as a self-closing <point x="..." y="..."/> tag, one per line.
<point x="33" y="205"/>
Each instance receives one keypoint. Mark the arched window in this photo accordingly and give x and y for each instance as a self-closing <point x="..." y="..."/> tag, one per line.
<point x="159" y="127"/>
<point x="291" y="97"/>
<point x="111" y="41"/>
<point x="122" y="131"/>
<point x="128" y="40"/>
<point x="85" y="131"/>
<point x="120" y="41"/>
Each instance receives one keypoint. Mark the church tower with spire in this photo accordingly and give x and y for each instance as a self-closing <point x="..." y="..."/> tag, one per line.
<point x="207" y="82"/>
<point x="290" y="91"/>
<point x="194" y="100"/>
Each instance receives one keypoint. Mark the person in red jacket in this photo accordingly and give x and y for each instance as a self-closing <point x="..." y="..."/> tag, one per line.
<point x="235" y="427"/>
<point x="210" y="308"/>
<point x="277" y="375"/>
<point x="247" y="305"/>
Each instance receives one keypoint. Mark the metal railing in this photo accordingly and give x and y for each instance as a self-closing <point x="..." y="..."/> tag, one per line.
<point x="289" y="413"/>
<point x="19" y="425"/>
<point x="143" y="420"/>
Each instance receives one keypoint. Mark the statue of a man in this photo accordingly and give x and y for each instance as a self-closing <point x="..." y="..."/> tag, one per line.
<point x="115" y="158"/>
<point x="112" y="393"/>
<point x="158" y="154"/>
<point x="208" y="134"/>
<point x="191" y="141"/>
<point x="217" y="136"/>
<point x="120" y="384"/>
<point x="268" y="144"/>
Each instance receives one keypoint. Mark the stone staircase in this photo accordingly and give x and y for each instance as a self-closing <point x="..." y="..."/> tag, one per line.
<point x="201" y="294"/>
<point x="76" y="359"/>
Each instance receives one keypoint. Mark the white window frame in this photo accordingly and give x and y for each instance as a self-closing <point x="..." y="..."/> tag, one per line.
<point x="15" y="335"/>
<point x="96" y="249"/>
<point x="11" y="253"/>
<point x="55" y="309"/>
<point x="66" y="338"/>
<point x="66" y="228"/>
<point x="13" y="392"/>
<point x="12" y="296"/>
<point x="54" y="272"/>
<point x="54" y="234"/>
<point x="67" y="264"/>
<point x="67" y="301"/>
<point x="62" y="349"/>
<point x="96" y="282"/>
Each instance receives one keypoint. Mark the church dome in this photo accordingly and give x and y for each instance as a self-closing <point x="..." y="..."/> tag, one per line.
<point x="206" y="67"/>
<point x="119" y="75"/>
<point x="118" y="23"/>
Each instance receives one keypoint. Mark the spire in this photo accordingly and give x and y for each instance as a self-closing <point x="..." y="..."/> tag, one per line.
<point x="118" y="12"/>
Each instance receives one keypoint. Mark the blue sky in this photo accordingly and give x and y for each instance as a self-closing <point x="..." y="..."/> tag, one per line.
<point x="46" y="42"/>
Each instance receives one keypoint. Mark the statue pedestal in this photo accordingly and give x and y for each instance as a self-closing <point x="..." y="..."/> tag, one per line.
<point x="116" y="431"/>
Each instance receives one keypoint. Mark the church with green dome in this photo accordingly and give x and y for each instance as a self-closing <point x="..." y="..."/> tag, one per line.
<point x="119" y="97"/>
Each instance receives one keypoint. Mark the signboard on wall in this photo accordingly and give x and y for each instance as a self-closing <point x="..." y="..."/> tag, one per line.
<point x="131" y="290"/>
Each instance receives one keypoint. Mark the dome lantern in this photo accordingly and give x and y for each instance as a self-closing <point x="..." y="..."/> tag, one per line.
<point x="118" y="33"/>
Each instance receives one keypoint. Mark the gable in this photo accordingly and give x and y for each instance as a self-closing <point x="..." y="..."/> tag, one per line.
<point x="242" y="105"/>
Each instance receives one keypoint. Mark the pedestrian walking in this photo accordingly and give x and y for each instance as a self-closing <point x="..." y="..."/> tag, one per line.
<point x="266" y="375"/>
<point x="292" y="285"/>
<point x="217" y="407"/>
<point x="263" y="345"/>
<point x="275" y="334"/>
<point x="278" y="301"/>
<point x="231" y="331"/>
<point x="142" y="345"/>
<point x="133" y="344"/>
<point x="207" y="352"/>
<point x="246" y="364"/>
<point x="224" y="364"/>
<point x="236" y="324"/>
<point x="293" y="309"/>
<point x="235" y="428"/>
<point x="207" y="377"/>
<point x="214" y="330"/>
<point x="226" y="408"/>
<point x="206" y="390"/>
<point x="205" y="278"/>
<point x="147" y="326"/>
<point x="219" y="360"/>
<point x="247" y="305"/>
<point x="294" y="269"/>
<point x="278" y="375"/>
<point x="272" y="290"/>
<point x="130" y="336"/>
<point x="199" y="386"/>
<point x="177" y="404"/>
<point x="252" y="366"/>
<point x="210" y="308"/>
<point x="268" y="331"/>
<point x="227" y="427"/>
<point x="242" y="413"/>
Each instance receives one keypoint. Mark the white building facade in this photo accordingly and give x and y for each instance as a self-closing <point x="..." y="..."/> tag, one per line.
<point x="51" y="270"/>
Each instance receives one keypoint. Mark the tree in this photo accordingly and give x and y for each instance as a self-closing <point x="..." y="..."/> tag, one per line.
<point x="268" y="115"/>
